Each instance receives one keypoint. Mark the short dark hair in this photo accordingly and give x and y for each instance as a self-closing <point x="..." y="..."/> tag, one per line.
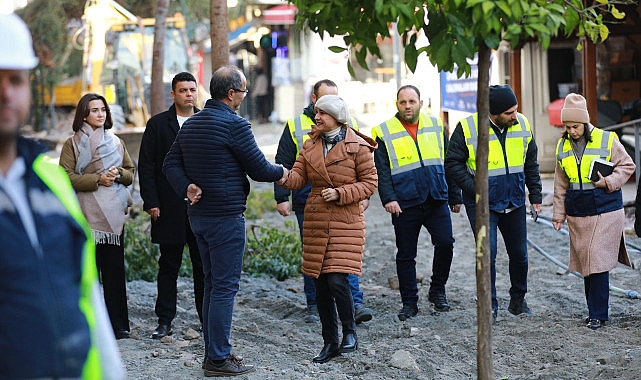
<point x="321" y="82"/>
<point x="410" y="87"/>
<point x="224" y="79"/>
<point x="182" y="77"/>
<point x="82" y="111"/>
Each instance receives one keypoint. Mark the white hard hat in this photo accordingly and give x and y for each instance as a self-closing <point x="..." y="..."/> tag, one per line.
<point x="16" y="48"/>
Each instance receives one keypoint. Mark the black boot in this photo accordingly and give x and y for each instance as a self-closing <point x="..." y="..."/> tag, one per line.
<point x="350" y="343"/>
<point x="328" y="352"/>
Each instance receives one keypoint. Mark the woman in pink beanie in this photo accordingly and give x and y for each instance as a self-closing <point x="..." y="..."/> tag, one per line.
<point x="593" y="209"/>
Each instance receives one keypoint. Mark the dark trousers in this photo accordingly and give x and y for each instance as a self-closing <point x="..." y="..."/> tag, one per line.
<point x="308" y="282"/>
<point x="514" y="231"/>
<point x="597" y="294"/>
<point x="221" y="241"/>
<point x="435" y="217"/>
<point x="332" y="296"/>
<point x="110" y="260"/>
<point x="168" y="267"/>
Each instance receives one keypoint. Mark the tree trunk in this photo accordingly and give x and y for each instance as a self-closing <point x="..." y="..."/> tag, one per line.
<point x="157" y="92"/>
<point x="483" y="274"/>
<point x="219" y="32"/>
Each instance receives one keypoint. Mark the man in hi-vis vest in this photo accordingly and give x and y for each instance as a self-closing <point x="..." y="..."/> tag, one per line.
<point x="413" y="189"/>
<point x="290" y="144"/>
<point x="512" y="165"/>
<point x="53" y="319"/>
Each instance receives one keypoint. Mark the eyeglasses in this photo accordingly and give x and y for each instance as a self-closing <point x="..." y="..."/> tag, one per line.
<point x="237" y="90"/>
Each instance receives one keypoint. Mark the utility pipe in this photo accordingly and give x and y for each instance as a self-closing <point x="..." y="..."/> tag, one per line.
<point x="628" y="293"/>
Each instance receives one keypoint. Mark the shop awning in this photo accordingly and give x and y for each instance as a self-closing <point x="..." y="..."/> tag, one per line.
<point x="283" y="14"/>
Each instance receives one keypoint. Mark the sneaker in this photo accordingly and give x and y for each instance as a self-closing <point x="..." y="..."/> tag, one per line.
<point x="362" y="313"/>
<point x="518" y="306"/>
<point x="231" y="367"/>
<point x="312" y="315"/>
<point x="495" y="314"/>
<point x="439" y="300"/>
<point x="407" y="312"/>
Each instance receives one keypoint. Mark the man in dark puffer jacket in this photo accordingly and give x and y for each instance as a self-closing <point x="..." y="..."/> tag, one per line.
<point x="208" y="164"/>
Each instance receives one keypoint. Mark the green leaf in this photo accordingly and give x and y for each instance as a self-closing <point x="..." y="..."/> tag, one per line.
<point x="488" y="7"/>
<point x="616" y="13"/>
<point x="337" y="49"/>
<point x="604" y="32"/>
<point x="411" y="57"/>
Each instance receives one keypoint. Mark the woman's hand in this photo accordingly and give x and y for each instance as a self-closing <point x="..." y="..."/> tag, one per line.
<point x="601" y="182"/>
<point x="329" y="194"/>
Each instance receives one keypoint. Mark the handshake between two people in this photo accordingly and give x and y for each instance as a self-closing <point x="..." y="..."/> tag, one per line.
<point x="285" y="176"/>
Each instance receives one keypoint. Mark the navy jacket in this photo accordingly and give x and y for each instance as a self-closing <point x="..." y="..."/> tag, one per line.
<point x="216" y="150"/>
<point x="428" y="178"/>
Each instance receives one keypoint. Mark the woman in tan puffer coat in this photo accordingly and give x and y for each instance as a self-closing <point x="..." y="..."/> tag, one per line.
<point x="593" y="206"/>
<point x="338" y="163"/>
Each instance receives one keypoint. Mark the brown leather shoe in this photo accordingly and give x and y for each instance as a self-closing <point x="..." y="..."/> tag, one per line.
<point x="232" y="366"/>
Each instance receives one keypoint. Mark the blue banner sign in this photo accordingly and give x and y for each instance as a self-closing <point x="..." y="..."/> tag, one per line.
<point x="459" y="94"/>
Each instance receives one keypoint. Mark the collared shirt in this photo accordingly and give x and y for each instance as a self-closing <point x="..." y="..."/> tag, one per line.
<point x="14" y="186"/>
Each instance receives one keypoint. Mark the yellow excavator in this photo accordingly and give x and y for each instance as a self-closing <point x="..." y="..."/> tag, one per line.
<point x="117" y="54"/>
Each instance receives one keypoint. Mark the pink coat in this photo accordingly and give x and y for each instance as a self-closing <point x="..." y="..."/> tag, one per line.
<point x="334" y="232"/>
<point x="596" y="242"/>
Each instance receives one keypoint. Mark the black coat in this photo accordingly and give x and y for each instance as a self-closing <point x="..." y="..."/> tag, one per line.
<point x="155" y="191"/>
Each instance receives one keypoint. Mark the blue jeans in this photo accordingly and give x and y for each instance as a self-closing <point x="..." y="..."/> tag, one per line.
<point x="435" y="217"/>
<point x="308" y="282"/>
<point x="221" y="241"/>
<point x="514" y="231"/>
<point x="597" y="294"/>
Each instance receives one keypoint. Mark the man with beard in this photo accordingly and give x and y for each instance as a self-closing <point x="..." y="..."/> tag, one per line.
<point x="413" y="189"/>
<point x="512" y="164"/>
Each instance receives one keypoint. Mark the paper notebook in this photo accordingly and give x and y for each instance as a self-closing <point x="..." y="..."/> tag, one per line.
<point x="602" y="166"/>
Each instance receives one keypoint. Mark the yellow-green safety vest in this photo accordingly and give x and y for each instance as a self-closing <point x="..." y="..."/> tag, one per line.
<point x="58" y="182"/>
<point x="401" y="148"/>
<point x="578" y="172"/>
<point x="516" y="143"/>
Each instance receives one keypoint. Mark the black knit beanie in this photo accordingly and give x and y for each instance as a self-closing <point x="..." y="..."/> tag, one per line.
<point x="502" y="98"/>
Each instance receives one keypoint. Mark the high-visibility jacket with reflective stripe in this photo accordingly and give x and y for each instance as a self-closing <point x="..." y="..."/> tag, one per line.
<point x="49" y="286"/>
<point x="506" y="177"/>
<point x="582" y="198"/>
<point x="58" y="182"/>
<point x="416" y="166"/>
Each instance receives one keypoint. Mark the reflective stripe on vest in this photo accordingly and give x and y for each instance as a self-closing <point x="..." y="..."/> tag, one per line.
<point x="301" y="125"/>
<point x="58" y="182"/>
<point x="599" y="147"/>
<point x="402" y="149"/>
<point x="517" y="139"/>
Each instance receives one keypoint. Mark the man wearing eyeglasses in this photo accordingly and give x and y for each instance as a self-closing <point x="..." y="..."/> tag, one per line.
<point x="208" y="164"/>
